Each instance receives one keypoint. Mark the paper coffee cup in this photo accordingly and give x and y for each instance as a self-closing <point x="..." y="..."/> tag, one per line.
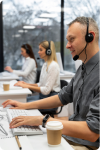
<point x="54" y="132"/>
<point x="6" y="86"/>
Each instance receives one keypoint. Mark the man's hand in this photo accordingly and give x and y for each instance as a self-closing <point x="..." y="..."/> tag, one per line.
<point x="26" y="120"/>
<point x="15" y="104"/>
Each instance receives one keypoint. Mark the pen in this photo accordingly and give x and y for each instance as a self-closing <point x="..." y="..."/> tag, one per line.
<point x="16" y="137"/>
<point x="3" y="130"/>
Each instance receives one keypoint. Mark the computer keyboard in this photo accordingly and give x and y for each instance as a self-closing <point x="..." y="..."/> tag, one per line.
<point x="25" y="129"/>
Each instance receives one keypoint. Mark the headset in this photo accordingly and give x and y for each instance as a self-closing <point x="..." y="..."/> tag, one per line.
<point x="48" y="50"/>
<point x="89" y="36"/>
<point x="27" y="49"/>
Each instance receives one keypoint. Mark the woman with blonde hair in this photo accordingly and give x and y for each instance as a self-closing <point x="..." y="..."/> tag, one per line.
<point x="49" y="82"/>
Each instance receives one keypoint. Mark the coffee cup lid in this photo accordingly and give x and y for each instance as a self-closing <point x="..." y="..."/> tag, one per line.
<point x="6" y="82"/>
<point x="54" y="125"/>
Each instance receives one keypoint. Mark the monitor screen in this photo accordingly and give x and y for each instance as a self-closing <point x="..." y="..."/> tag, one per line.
<point x="59" y="61"/>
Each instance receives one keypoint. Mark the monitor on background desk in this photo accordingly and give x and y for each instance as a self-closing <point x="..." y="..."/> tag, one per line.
<point x="62" y="71"/>
<point x="77" y="64"/>
<point x="59" y="61"/>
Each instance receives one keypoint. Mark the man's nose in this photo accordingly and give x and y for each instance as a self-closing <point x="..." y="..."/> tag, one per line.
<point x="68" y="45"/>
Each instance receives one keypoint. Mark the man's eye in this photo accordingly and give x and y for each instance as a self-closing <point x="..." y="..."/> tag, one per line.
<point x="71" y="39"/>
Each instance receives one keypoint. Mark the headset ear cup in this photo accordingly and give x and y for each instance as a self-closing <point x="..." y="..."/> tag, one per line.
<point x="27" y="51"/>
<point x="89" y="37"/>
<point x="48" y="51"/>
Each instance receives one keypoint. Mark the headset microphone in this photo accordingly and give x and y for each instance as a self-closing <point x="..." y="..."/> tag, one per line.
<point x="38" y="58"/>
<point x="77" y="56"/>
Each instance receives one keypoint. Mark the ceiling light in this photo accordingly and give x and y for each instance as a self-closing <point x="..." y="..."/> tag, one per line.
<point x="21" y="31"/>
<point x="28" y="27"/>
<point x="16" y="35"/>
<point x="41" y="20"/>
<point x="46" y="15"/>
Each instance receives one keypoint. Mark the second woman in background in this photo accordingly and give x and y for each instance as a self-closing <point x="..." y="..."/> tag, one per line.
<point x="49" y="83"/>
<point x="28" y="72"/>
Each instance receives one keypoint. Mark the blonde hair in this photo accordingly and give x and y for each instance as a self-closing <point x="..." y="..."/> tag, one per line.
<point x="52" y="57"/>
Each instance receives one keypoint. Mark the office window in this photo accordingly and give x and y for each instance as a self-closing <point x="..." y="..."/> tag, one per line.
<point x="29" y="22"/>
<point x="73" y="9"/>
<point x="44" y="16"/>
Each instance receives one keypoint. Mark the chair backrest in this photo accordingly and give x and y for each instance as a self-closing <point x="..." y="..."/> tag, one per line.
<point x="63" y="83"/>
<point x="38" y="76"/>
<point x="53" y="112"/>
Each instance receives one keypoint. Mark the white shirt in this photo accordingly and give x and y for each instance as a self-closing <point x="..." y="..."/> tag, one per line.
<point x="28" y="71"/>
<point x="49" y="79"/>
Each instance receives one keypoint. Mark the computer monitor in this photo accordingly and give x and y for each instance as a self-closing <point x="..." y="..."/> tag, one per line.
<point x="77" y="63"/>
<point x="59" y="61"/>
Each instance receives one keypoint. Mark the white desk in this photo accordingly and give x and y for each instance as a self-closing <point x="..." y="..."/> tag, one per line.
<point x="19" y="95"/>
<point x="15" y="93"/>
<point x="66" y="75"/>
<point x="39" y="142"/>
<point x="6" y="76"/>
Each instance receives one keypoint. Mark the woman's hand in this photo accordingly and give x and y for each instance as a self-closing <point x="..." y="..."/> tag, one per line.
<point x="15" y="104"/>
<point x="22" y="84"/>
<point x="19" y="83"/>
<point x="8" y="68"/>
<point x="26" y="120"/>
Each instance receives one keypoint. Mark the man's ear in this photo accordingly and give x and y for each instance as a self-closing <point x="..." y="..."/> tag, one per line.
<point x="92" y="34"/>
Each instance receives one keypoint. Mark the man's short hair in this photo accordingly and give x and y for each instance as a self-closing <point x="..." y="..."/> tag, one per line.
<point x="92" y="25"/>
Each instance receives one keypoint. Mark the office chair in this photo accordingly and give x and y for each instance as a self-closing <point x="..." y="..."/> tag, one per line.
<point x="37" y="80"/>
<point x="53" y="111"/>
<point x="63" y="83"/>
<point x="38" y="75"/>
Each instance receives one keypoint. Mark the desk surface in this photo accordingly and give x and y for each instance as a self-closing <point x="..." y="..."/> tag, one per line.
<point x="18" y="94"/>
<point x="39" y="142"/>
<point x="14" y="90"/>
<point x="22" y="91"/>
<point x="66" y="75"/>
<point x="6" y="76"/>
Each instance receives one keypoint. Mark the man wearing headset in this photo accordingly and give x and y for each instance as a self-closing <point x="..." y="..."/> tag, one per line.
<point x="82" y="129"/>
